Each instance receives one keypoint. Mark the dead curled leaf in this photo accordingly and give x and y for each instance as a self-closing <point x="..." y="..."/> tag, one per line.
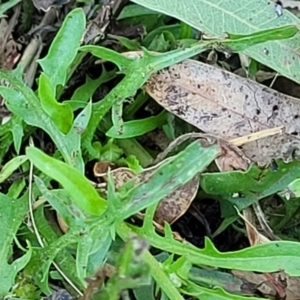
<point x="225" y="105"/>
<point x="171" y="207"/>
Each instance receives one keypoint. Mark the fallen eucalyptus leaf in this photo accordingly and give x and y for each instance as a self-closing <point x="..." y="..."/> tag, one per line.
<point x="223" y="104"/>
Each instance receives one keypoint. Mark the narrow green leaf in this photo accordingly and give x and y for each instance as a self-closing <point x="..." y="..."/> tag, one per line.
<point x="64" y="48"/>
<point x="65" y="260"/>
<point x="87" y="90"/>
<point x="133" y="10"/>
<point x="116" y="117"/>
<point x="6" y="6"/>
<point x="270" y="257"/>
<point x="169" y="176"/>
<point x="60" y="113"/>
<point x="61" y="201"/>
<point x="83" y="119"/>
<point x="203" y="293"/>
<point x="239" y="42"/>
<point x="11" y="166"/>
<point x="17" y="133"/>
<point x="138" y="127"/>
<point x="79" y="188"/>
<point x="120" y="60"/>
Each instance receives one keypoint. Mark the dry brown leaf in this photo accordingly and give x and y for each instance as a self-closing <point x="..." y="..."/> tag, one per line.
<point x="271" y="284"/>
<point x="223" y="104"/>
<point x="254" y="237"/>
<point x="9" y="55"/>
<point x="170" y="208"/>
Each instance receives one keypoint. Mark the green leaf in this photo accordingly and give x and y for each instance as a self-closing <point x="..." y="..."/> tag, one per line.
<point x="133" y="10"/>
<point x="203" y="293"/>
<point x="11" y="166"/>
<point x="79" y="188"/>
<point x="64" y="259"/>
<point x="94" y="242"/>
<point x="269" y="257"/>
<point x="110" y="151"/>
<point x="60" y="113"/>
<point x="131" y="271"/>
<point x="86" y="91"/>
<point x="12" y="213"/>
<point x="169" y="176"/>
<point x="17" y="133"/>
<point x="241" y="42"/>
<point x="137" y="70"/>
<point x="6" y="6"/>
<point x="294" y="188"/>
<point x="23" y="102"/>
<point x="64" y="48"/>
<point x="239" y="17"/>
<point x="244" y="188"/>
<point x="61" y="201"/>
<point x="83" y="118"/>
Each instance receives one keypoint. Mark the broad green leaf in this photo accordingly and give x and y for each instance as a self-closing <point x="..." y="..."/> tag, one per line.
<point x="215" y="17"/>
<point x="244" y="188"/>
<point x="23" y="102"/>
<point x="98" y="257"/>
<point x="64" y="48"/>
<point x="6" y="6"/>
<point x="79" y="188"/>
<point x="11" y="166"/>
<point x="144" y="292"/>
<point x="60" y="113"/>
<point x="12" y="213"/>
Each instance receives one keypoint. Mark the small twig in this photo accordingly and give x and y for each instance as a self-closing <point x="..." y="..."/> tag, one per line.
<point x="256" y="136"/>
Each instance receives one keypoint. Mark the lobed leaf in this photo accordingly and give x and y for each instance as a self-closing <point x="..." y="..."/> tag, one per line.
<point x="64" y="48"/>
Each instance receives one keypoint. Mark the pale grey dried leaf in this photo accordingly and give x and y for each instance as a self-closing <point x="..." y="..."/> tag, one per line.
<point x="223" y="104"/>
